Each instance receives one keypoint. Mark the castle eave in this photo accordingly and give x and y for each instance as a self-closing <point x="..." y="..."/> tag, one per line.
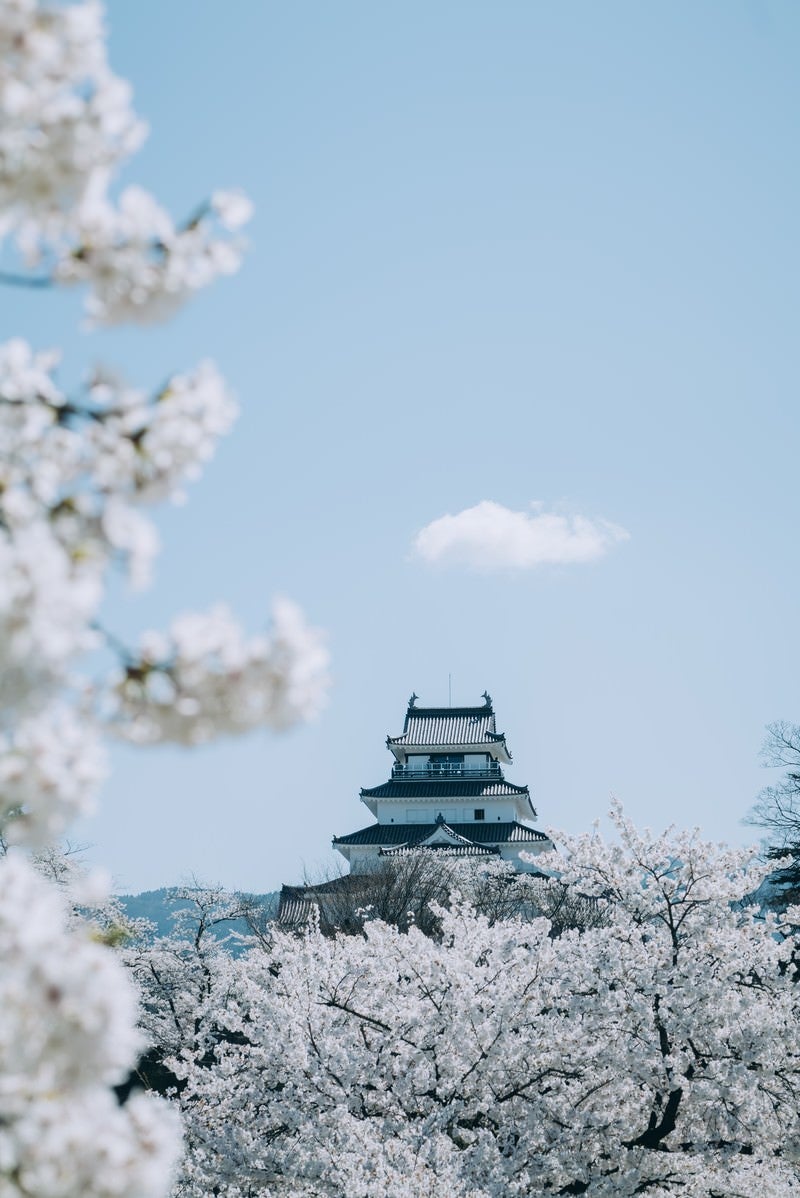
<point x="436" y="788"/>
<point x="410" y="835"/>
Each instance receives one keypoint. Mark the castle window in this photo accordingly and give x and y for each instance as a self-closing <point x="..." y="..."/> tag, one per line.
<point x="480" y="813"/>
<point x="446" y="763"/>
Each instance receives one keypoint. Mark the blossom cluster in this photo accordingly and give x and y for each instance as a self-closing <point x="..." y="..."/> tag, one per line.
<point x="66" y="125"/>
<point x="66" y="1037"/>
<point x="139" y="264"/>
<point x="205" y="678"/>
<point x="51" y="766"/>
<point x="65" y="116"/>
<point x="74" y="476"/>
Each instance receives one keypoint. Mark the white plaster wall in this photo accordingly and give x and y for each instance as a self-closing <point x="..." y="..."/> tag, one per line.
<point x="391" y="811"/>
<point x="363" y="858"/>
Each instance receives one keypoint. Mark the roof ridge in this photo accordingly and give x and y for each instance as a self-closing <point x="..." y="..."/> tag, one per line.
<point x="481" y="709"/>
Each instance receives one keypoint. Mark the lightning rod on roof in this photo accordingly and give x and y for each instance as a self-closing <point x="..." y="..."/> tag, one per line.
<point x="449" y="690"/>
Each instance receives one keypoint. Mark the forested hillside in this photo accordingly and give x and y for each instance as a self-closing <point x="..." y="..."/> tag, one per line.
<point x="160" y="907"/>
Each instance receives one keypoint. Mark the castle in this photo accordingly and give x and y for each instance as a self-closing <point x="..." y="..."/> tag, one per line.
<point x="446" y="793"/>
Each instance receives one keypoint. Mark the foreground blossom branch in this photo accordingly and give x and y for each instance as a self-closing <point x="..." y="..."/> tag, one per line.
<point x="77" y="475"/>
<point x="204" y="678"/>
<point x="138" y="264"/>
<point x="66" y="126"/>
<point x="68" y="1014"/>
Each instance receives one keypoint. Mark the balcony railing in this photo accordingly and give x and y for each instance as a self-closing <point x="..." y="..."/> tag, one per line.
<point x="445" y="769"/>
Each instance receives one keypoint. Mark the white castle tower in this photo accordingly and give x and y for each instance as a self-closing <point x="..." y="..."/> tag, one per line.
<point x="447" y="792"/>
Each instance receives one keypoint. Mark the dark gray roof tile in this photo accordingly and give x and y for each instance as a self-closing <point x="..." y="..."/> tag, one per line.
<point x="501" y="832"/>
<point x="448" y="726"/>
<point x="444" y="788"/>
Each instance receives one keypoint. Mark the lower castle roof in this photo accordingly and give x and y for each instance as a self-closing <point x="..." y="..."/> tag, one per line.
<point x="501" y="832"/>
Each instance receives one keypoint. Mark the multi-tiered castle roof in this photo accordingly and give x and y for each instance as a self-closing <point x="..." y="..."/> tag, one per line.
<point x="446" y="791"/>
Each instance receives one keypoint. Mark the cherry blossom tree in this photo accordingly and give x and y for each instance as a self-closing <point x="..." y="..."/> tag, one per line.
<point x="181" y="978"/>
<point x="411" y="888"/>
<point x="657" y="1053"/>
<point x="77" y="474"/>
<point x="777" y="810"/>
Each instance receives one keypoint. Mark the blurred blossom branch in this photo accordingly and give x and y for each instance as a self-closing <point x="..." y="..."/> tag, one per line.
<point x="77" y="476"/>
<point x="66" y="125"/>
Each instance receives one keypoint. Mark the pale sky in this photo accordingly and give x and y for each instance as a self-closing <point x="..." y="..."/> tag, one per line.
<point x="531" y="266"/>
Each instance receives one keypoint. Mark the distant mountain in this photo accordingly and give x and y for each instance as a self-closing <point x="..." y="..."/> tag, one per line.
<point x="159" y="907"/>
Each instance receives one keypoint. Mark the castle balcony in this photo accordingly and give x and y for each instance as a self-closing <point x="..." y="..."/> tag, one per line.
<point x="445" y="769"/>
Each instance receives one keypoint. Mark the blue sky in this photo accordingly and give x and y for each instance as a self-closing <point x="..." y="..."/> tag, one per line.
<point x="517" y="252"/>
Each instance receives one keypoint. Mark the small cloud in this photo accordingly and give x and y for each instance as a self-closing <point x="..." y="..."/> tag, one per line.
<point x="492" y="537"/>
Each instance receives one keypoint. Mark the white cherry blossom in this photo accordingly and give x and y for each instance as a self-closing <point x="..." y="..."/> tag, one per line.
<point x="233" y="208"/>
<point x="48" y="601"/>
<point x="140" y="266"/>
<point x="51" y="768"/>
<point x="66" y="125"/>
<point x="67" y="1014"/>
<point x="205" y="678"/>
<point x="64" y="115"/>
<point x="655" y="1053"/>
<point x="78" y="468"/>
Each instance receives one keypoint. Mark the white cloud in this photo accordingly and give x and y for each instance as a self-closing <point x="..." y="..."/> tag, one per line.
<point x="492" y="537"/>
